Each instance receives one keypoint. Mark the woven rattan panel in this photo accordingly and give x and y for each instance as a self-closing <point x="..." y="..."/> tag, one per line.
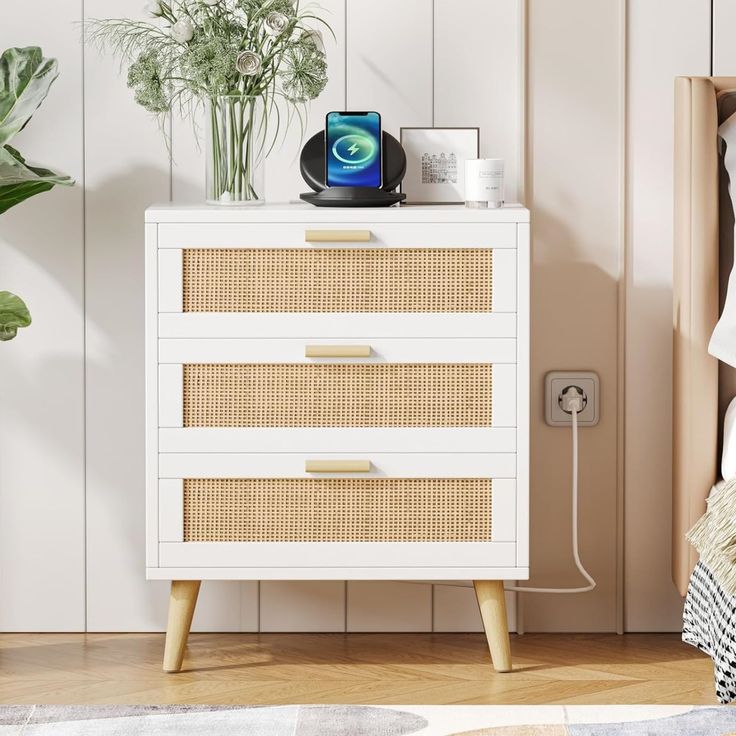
<point x="338" y="280"/>
<point x="337" y="510"/>
<point x="338" y="395"/>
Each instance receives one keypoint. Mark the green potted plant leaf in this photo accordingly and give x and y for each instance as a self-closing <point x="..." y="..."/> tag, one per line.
<point x="25" y="79"/>
<point x="13" y="314"/>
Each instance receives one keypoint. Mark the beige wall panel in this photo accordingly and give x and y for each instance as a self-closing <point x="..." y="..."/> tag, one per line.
<point x="655" y="58"/>
<point x="575" y="149"/>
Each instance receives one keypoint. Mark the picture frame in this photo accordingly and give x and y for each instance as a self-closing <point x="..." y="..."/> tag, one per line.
<point x="435" y="163"/>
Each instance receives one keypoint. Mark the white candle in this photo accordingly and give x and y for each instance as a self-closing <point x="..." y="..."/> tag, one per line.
<point x="484" y="182"/>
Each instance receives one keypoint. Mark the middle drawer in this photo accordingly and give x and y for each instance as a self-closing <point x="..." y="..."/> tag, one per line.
<point x="214" y="394"/>
<point x="295" y="383"/>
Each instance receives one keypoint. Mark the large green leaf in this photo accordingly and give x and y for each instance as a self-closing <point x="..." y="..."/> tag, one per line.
<point x="19" y="180"/>
<point x="13" y="314"/>
<point x="25" y="79"/>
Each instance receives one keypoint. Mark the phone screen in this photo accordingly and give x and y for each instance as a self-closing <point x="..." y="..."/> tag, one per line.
<point x="353" y="149"/>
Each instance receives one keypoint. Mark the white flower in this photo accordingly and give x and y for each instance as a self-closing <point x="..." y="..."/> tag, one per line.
<point x="275" y="23"/>
<point x="248" y="63"/>
<point x="211" y="2"/>
<point x="183" y="30"/>
<point x="153" y="9"/>
<point x="316" y="38"/>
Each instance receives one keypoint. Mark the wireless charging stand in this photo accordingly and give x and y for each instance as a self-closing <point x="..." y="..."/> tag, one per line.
<point x="312" y="166"/>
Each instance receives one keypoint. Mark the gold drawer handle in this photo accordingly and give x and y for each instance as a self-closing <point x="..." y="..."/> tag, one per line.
<point x="337" y="351"/>
<point x="337" y="466"/>
<point x="337" y="236"/>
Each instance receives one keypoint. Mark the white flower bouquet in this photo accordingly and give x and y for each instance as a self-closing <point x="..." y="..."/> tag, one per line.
<point x="254" y="63"/>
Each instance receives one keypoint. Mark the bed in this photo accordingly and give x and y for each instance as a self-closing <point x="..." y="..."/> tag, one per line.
<point x="702" y="386"/>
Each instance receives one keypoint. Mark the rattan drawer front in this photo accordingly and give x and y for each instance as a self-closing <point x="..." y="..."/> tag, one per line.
<point x="338" y="510"/>
<point x="337" y="280"/>
<point x="337" y="395"/>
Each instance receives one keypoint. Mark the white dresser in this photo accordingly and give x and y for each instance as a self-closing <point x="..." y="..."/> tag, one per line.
<point x="337" y="394"/>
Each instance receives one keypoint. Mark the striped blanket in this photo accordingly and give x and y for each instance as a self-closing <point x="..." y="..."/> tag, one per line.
<point x="709" y="623"/>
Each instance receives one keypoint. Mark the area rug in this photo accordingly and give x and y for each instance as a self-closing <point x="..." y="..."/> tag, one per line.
<point x="356" y="720"/>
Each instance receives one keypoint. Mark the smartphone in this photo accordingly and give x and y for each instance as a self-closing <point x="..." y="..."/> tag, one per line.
<point x="353" y="149"/>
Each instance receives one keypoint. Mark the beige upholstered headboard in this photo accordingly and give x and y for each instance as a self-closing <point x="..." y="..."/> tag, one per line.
<point x="697" y="413"/>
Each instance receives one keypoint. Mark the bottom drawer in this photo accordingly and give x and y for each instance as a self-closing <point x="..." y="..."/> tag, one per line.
<point x="461" y="500"/>
<point x="337" y="510"/>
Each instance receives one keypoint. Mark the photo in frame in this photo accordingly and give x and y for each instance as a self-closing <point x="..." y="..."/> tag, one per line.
<point x="435" y="163"/>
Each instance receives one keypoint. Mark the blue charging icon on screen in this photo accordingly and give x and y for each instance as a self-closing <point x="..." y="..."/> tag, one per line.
<point x="353" y="150"/>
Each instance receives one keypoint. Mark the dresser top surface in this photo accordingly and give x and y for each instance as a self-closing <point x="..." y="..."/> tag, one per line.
<point x="301" y="212"/>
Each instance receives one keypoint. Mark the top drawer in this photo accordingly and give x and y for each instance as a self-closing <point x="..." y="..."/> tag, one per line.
<point x="271" y="268"/>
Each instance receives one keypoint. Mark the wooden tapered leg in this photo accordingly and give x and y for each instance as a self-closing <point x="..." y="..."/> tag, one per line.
<point x="181" y="610"/>
<point x="492" y="604"/>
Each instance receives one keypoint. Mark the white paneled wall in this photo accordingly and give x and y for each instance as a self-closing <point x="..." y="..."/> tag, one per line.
<point x="723" y="48"/>
<point x="382" y="606"/>
<point x="42" y="517"/>
<point x="126" y="167"/>
<point x="598" y="97"/>
<point x="496" y="74"/>
<point x="390" y="61"/>
<point x="71" y="426"/>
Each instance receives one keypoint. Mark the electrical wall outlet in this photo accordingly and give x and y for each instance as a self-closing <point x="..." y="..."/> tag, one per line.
<point x="555" y="383"/>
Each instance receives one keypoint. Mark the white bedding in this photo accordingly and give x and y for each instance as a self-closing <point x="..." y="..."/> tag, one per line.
<point x="728" y="456"/>
<point x="723" y="340"/>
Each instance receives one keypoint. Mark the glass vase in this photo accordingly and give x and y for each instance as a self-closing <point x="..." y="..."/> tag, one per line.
<point x="236" y="137"/>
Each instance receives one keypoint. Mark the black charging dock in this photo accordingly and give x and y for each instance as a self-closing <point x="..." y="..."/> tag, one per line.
<point x="312" y="166"/>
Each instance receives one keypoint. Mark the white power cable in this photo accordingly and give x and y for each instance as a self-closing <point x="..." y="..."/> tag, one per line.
<point x="575" y="406"/>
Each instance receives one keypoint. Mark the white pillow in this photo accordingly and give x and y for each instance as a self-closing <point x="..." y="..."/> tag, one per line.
<point x="723" y="340"/>
<point x="728" y="458"/>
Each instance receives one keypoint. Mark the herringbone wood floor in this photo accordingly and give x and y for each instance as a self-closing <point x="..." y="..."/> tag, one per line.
<point x="352" y="668"/>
